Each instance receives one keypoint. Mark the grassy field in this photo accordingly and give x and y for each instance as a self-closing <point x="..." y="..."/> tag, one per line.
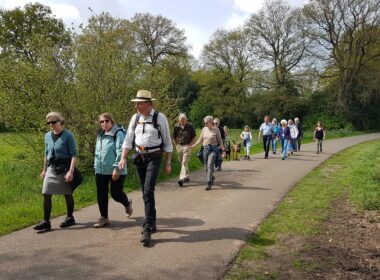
<point x="355" y="170"/>
<point x="20" y="186"/>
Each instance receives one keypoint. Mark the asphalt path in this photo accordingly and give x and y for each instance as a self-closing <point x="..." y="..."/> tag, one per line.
<point x="199" y="232"/>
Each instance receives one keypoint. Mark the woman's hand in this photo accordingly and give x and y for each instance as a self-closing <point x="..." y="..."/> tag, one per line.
<point x="223" y="154"/>
<point x="115" y="175"/>
<point x="122" y="164"/>
<point x="43" y="173"/>
<point x="69" y="176"/>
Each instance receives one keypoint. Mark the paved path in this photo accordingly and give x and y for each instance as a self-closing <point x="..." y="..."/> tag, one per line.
<point x="200" y="232"/>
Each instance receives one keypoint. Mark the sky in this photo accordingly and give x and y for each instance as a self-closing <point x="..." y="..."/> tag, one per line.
<point x="199" y="18"/>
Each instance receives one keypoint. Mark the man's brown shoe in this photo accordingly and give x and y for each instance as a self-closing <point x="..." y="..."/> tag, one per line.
<point x="102" y="222"/>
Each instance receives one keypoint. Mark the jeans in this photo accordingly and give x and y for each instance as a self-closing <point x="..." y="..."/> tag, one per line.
<point x="247" y="147"/>
<point x="102" y="183"/>
<point x="209" y="156"/>
<point x="293" y="146"/>
<point x="184" y="154"/>
<point x="284" y="145"/>
<point x="319" y="145"/>
<point x="147" y="170"/>
<point x="274" y="144"/>
<point x="299" y="143"/>
<point x="266" y="143"/>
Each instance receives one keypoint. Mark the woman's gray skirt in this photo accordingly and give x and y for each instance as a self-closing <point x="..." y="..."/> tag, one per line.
<point x="55" y="184"/>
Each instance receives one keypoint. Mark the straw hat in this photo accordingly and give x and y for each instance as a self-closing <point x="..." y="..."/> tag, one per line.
<point x="143" y="95"/>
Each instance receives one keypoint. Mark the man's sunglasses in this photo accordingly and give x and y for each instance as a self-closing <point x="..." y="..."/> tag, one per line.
<point x="104" y="121"/>
<point x="52" y="122"/>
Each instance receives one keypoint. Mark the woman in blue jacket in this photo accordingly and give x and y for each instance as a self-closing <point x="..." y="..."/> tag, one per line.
<point x="58" y="171"/>
<point x="284" y="135"/>
<point x="107" y="156"/>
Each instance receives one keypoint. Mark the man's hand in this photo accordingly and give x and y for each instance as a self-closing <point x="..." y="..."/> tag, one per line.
<point x="167" y="169"/>
<point x="115" y="175"/>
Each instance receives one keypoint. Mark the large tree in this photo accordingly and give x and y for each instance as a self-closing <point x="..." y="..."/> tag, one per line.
<point x="279" y="39"/>
<point x="157" y="38"/>
<point x="345" y="32"/>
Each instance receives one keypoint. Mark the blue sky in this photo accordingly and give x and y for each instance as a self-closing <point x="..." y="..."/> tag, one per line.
<point x="199" y="18"/>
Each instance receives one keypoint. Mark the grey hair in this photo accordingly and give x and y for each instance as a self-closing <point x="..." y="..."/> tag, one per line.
<point x="284" y="122"/>
<point x="290" y="121"/>
<point x="208" y="119"/>
<point x="57" y="116"/>
<point x="296" y="119"/>
<point x="274" y="120"/>
<point x="182" y="116"/>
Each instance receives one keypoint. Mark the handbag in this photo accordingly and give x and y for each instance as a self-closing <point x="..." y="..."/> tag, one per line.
<point x="77" y="179"/>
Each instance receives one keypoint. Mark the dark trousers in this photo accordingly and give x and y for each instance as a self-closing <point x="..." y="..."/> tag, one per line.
<point x="299" y="144"/>
<point x="102" y="183"/>
<point x="266" y="143"/>
<point x="147" y="170"/>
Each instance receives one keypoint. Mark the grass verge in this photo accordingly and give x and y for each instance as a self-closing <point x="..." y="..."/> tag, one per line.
<point x="355" y="170"/>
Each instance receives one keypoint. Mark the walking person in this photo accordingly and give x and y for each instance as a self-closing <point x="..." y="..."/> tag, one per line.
<point x="212" y="143"/>
<point x="108" y="152"/>
<point x="319" y="136"/>
<point x="183" y="136"/>
<point x="219" y="159"/>
<point x="300" y="133"/>
<point x="148" y="133"/>
<point x="276" y="127"/>
<point x="246" y="136"/>
<point x="266" y="129"/>
<point x="293" y="136"/>
<point x="60" y="161"/>
<point x="284" y="135"/>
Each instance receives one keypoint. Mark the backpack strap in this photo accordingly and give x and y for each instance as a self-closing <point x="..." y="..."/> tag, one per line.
<point x="155" y="124"/>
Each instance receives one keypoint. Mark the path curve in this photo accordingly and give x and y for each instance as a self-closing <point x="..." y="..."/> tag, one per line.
<point x="200" y="232"/>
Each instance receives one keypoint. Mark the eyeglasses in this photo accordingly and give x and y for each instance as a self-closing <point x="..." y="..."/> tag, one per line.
<point x="104" y="121"/>
<point x="52" y="122"/>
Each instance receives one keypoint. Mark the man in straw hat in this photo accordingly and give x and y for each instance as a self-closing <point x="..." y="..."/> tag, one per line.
<point x="148" y="133"/>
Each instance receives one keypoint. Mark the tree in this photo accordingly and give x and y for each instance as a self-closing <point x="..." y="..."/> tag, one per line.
<point x="230" y="53"/>
<point x="157" y="38"/>
<point x="278" y="37"/>
<point x="345" y="32"/>
<point x="21" y="29"/>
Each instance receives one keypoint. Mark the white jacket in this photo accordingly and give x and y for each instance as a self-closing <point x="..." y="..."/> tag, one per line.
<point x="293" y="131"/>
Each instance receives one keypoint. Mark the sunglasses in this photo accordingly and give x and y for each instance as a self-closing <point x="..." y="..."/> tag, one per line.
<point x="52" y="122"/>
<point x="104" y="121"/>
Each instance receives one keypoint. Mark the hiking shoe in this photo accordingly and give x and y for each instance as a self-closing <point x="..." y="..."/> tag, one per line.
<point x="186" y="180"/>
<point x="219" y="169"/>
<point x="180" y="183"/>
<point x="43" y="225"/>
<point x="208" y="187"/>
<point x="129" y="209"/>
<point x="102" y="222"/>
<point x="67" y="222"/>
<point x="146" y="237"/>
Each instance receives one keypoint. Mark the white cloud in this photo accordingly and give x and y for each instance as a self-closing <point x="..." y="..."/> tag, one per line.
<point x="248" y="6"/>
<point x="62" y="10"/>
<point x="236" y="20"/>
<point x="196" y="37"/>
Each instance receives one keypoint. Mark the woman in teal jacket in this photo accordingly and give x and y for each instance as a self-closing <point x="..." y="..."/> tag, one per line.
<point x="107" y="156"/>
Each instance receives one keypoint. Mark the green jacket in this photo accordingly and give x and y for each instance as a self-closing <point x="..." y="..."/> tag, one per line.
<point x="108" y="151"/>
<point x="64" y="147"/>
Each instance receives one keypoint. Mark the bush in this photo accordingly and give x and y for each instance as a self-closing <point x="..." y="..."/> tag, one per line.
<point x="329" y="122"/>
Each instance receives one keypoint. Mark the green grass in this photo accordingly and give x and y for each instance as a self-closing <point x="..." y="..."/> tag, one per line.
<point x="20" y="186"/>
<point x="355" y="170"/>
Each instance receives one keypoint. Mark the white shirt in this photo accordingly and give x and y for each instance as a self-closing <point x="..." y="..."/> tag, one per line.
<point x="150" y="136"/>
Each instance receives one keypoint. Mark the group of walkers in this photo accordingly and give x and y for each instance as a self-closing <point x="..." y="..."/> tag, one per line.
<point x="289" y="133"/>
<point x="148" y="135"/>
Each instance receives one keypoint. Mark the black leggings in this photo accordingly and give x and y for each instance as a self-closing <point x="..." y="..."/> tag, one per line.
<point x="102" y="182"/>
<point x="47" y="205"/>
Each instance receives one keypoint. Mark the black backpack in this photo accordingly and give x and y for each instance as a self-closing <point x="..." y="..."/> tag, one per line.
<point x="155" y="124"/>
